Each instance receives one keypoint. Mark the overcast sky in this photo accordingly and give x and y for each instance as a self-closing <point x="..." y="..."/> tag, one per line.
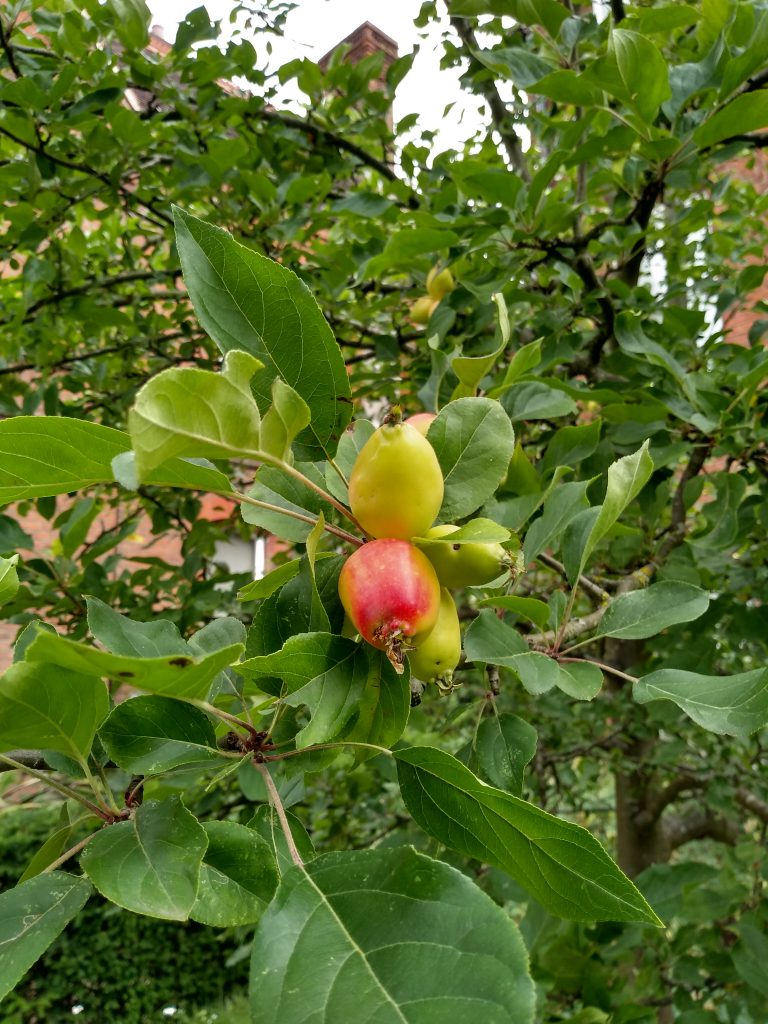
<point x="317" y="25"/>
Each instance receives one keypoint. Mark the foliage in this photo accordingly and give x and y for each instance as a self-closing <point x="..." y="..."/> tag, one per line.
<point x="591" y="408"/>
<point x="80" y="967"/>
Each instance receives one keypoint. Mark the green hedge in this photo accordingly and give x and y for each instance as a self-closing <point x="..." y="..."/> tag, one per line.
<point x="119" y="967"/>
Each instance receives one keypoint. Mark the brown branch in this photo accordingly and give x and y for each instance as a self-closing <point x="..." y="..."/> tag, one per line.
<point x="657" y="800"/>
<point x="677" y="527"/>
<point x="5" y="43"/>
<point x="130" y="198"/>
<point x="314" y="130"/>
<point x="584" y="581"/>
<point x="757" y="82"/>
<point x="490" y="93"/>
<point x="754" y="804"/>
<point x="585" y="269"/>
<point x="700" y="824"/>
<point x="21" y="367"/>
<point x="29" y="758"/>
<point x="649" y="196"/>
<point x="756" y="141"/>
<point x="576" y="627"/>
<point x="103" y="282"/>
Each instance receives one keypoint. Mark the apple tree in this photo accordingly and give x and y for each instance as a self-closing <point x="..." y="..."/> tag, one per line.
<point x="207" y="295"/>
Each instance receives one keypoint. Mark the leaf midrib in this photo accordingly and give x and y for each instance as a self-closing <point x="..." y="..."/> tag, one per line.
<point x="356" y="949"/>
<point x="534" y="845"/>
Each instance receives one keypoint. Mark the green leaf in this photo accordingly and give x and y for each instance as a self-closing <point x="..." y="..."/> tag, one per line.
<point x="53" y="846"/>
<point x="32" y="915"/>
<point x="274" y="580"/>
<point x="12" y="536"/>
<point x="45" y="707"/>
<point x="185" y="411"/>
<point x="503" y="746"/>
<point x="403" y="245"/>
<point x="288" y="415"/>
<point x="238" y="876"/>
<point x="477" y="531"/>
<point x="471" y="369"/>
<point x="122" y="635"/>
<point x="359" y="698"/>
<point x="665" y="19"/>
<point x="747" y="113"/>
<point x="492" y="642"/>
<point x="525" y="359"/>
<point x="47" y="455"/>
<point x="191" y="474"/>
<point x="643" y="613"/>
<point x="521" y="66"/>
<point x="739" y="69"/>
<point x="352" y="440"/>
<point x="561" y="506"/>
<point x="548" y="13"/>
<point x="642" y="70"/>
<point x="570" y="445"/>
<point x="368" y="923"/>
<point x="150" y="864"/>
<point x="185" y="676"/>
<point x="9" y="579"/>
<point x="266" y="822"/>
<point x="729" y="705"/>
<point x="632" y="338"/>
<point x="145" y="735"/>
<point x="581" y="680"/>
<point x="277" y="488"/>
<point x="303" y="657"/>
<point x="245" y="301"/>
<point x="522" y="478"/>
<point x="535" y="400"/>
<point x="568" y="87"/>
<point x="626" y="478"/>
<point x="351" y="689"/>
<point x="530" y="608"/>
<point x="537" y="672"/>
<point x="131" y="20"/>
<point x="750" y="954"/>
<point x="474" y="441"/>
<point x="559" y="863"/>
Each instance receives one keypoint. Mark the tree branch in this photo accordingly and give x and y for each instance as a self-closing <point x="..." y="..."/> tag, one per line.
<point x="5" y="43"/>
<point x="584" y="581"/>
<point x="103" y="282"/>
<point x="657" y="800"/>
<point x="129" y="197"/>
<point x="576" y="627"/>
<point x="28" y="758"/>
<point x="756" y="141"/>
<point x="754" y="804"/>
<point x="677" y="526"/>
<point x="700" y="824"/>
<point x="499" y="112"/>
<point x="312" y="129"/>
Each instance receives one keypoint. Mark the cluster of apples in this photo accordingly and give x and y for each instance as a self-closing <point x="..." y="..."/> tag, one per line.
<point x="439" y="284"/>
<point x="397" y="593"/>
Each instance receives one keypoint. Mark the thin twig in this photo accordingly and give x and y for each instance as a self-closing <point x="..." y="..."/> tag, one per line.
<point x="63" y="790"/>
<point x="69" y="853"/>
<point x="602" y="665"/>
<point x="328" y="527"/>
<point x="277" y="803"/>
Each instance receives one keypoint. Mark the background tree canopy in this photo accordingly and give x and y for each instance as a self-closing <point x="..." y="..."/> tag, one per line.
<point x="606" y="226"/>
